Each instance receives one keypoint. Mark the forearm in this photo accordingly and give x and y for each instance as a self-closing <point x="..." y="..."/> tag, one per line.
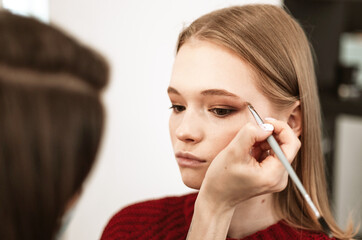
<point x="210" y="221"/>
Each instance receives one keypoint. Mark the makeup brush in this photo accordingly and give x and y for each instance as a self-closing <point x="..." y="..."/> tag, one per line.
<point x="278" y="151"/>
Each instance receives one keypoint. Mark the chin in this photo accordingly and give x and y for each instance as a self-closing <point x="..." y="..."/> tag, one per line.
<point x="192" y="178"/>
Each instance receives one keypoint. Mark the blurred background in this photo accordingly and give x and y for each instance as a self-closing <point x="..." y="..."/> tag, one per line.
<point x="138" y="38"/>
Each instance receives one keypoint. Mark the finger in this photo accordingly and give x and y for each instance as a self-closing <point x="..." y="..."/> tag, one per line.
<point x="288" y="141"/>
<point x="282" y="131"/>
<point x="275" y="176"/>
<point x="246" y="138"/>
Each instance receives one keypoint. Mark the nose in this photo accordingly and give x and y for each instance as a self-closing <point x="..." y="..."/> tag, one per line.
<point x="190" y="129"/>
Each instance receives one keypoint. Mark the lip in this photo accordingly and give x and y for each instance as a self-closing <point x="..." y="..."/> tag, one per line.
<point x="185" y="159"/>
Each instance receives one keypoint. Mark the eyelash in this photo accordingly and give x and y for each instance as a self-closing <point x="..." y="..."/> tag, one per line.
<point x="176" y="108"/>
<point x="227" y="111"/>
<point x="216" y="111"/>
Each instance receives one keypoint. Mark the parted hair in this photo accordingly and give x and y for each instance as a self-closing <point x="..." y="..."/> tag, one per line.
<point x="277" y="49"/>
<point x="51" y="123"/>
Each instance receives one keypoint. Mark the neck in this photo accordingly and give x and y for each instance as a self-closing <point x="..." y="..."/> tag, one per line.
<point x="252" y="216"/>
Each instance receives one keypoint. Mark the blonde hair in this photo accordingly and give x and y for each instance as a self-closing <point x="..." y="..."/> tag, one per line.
<point x="275" y="46"/>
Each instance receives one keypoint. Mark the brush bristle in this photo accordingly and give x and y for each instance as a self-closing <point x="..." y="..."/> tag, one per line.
<point x="325" y="227"/>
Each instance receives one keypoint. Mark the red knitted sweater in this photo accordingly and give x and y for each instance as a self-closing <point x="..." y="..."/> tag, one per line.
<point x="170" y="218"/>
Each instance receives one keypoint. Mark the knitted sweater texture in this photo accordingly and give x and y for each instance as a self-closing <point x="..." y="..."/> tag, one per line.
<point x="169" y="219"/>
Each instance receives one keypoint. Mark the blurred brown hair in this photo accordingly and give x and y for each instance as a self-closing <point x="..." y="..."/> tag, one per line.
<point x="51" y="122"/>
<point x="276" y="48"/>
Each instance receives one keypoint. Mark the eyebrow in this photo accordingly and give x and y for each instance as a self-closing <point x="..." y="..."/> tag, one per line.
<point x="218" y="92"/>
<point x="208" y="92"/>
<point x="172" y="90"/>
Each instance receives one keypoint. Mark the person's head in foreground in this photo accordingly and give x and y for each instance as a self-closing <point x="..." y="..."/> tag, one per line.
<point x="51" y="121"/>
<point x="257" y="54"/>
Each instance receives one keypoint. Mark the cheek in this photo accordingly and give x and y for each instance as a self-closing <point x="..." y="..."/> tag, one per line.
<point x="221" y="136"/>
<point x="172" y="126"/>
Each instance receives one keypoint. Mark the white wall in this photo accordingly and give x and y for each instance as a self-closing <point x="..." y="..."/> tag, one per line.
<point x="347" y="168"/>
<point x="136" y="160"/>
<point x="35" y="8"/>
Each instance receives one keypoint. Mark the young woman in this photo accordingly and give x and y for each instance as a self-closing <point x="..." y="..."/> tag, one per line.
<point x="51" y="122"/>
<point x="226" y="59"/>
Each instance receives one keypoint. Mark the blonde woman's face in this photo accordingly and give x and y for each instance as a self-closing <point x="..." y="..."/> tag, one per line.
<point x="208" y="90"/>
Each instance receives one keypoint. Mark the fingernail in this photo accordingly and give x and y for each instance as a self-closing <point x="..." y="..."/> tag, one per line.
<point x="270" y="119"/>
<point x="267" y="127"/>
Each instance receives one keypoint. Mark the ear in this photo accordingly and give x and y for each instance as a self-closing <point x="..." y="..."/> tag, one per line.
<point x="295" y="119"/>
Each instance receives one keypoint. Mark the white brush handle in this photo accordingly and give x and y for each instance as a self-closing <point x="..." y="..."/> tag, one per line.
<point x="278" y="151"/>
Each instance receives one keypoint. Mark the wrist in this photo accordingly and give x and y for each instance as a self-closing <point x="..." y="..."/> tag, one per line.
<point x="214" y="204"/>
<point x="219" y="197"/>
<point x="210" y="220"/>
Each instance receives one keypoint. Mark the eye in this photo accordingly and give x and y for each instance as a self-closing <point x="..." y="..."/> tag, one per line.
<point x="222" y="112"/>
<point x="177" y="108"/>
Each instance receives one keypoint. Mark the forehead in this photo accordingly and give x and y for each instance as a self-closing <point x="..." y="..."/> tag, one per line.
<point x="201" y="65"/>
